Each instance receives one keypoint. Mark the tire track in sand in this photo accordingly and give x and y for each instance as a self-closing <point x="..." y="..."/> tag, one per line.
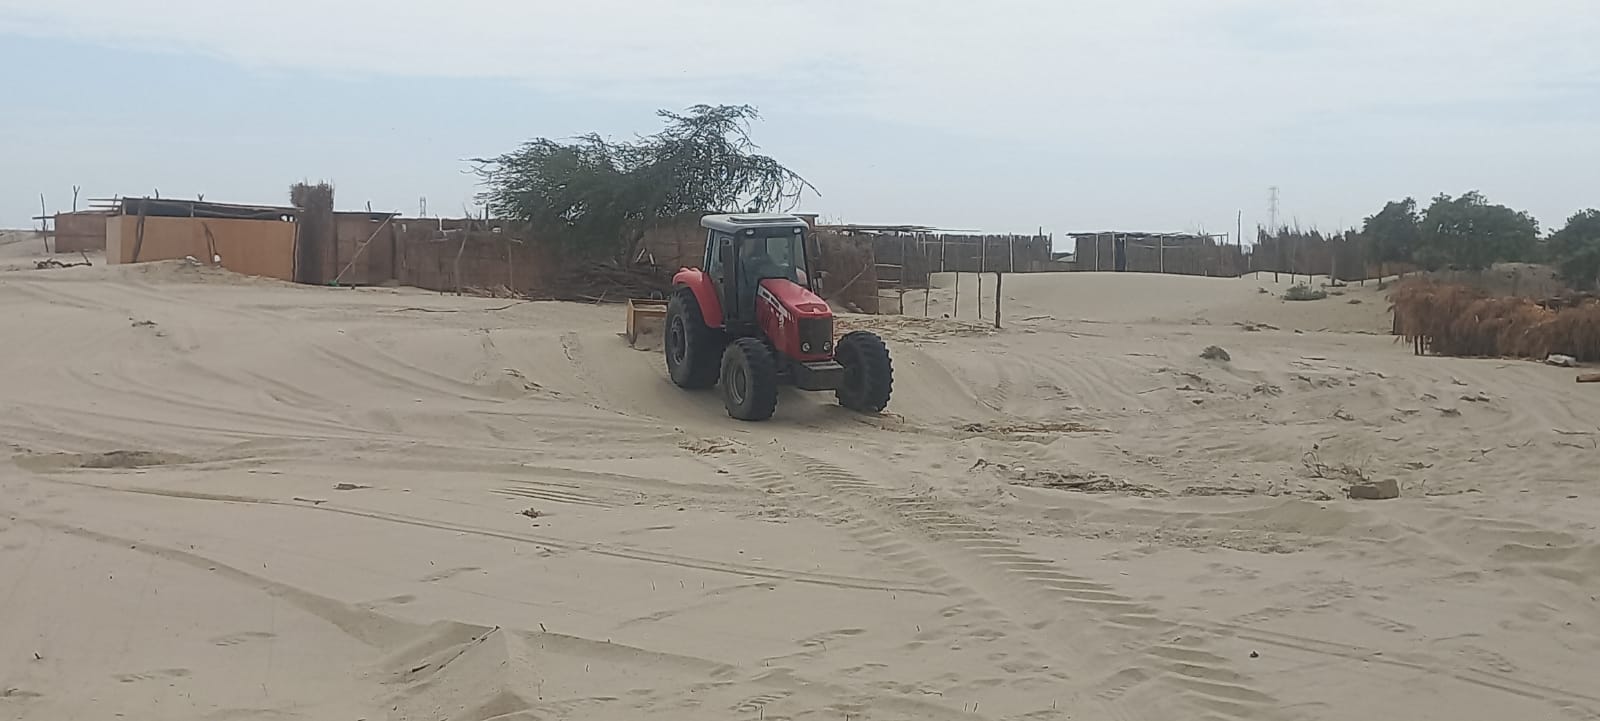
<point x="837" y="496"/>
<point x="961" y="558"/>
<point x="620" y="551"/>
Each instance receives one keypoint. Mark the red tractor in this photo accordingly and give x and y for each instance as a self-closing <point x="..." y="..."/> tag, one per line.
<point x="749" y="319"/>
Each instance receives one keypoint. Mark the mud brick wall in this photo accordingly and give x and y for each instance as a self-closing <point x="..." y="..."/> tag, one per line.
<point x="79" y="232"/>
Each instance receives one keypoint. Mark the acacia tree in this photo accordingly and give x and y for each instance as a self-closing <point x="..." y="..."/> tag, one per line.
<point x="600" y="195"/>
<point x="1468" y="232"/>
<point x="1575" y="250"/>
<point x="1394" y="232"/>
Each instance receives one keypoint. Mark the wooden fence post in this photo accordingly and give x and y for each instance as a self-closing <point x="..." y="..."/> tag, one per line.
<point x="999" y="280"/>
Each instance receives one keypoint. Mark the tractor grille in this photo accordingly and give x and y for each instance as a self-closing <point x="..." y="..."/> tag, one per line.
<point x="816" y="335"/>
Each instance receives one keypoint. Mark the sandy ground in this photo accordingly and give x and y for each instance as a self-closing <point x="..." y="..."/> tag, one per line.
<point x="228" y="498"/>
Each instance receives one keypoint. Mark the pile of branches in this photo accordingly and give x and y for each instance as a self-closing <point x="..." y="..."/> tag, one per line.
<point x="1457" y="320"/>
<point x="50" y="263"/>
<point x="600" y="282"/>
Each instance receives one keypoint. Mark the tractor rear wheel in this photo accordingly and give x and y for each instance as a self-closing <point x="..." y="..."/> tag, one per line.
<point x="868" y="372"/>
<point x="749" y="380"/>
<point x="693" y="348"/>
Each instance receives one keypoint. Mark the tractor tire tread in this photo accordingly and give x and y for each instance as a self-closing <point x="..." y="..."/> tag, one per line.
<point x="761" y="370"/>
<point x="703" y="358"/>
<point x="872" y="354"/>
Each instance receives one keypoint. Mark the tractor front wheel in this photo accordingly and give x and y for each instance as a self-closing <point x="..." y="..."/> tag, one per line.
<point x="749" y="380"/>
<point x="693" y="348"/>
<point x="868" y="372"/>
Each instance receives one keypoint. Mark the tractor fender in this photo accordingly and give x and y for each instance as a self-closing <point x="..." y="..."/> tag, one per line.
<point x="699" y="283"/>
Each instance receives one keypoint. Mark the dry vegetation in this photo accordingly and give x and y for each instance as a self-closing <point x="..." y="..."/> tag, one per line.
<point x="1458" y="320"/>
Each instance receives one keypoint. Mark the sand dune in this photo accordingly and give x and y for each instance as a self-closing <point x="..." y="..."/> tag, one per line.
<point x="229" y="498"/>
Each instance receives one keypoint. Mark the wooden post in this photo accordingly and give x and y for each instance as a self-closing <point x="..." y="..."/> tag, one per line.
<point x="983" y="254"/>
<point x="44" y="224"/>
<point x="138" y="232"/>
<point x="459" y="250"/>
<point x="1589" y="378"/>
<point x="902" y="275"/>
<point x="955" y="310"/>
<point x="999" y="280"/>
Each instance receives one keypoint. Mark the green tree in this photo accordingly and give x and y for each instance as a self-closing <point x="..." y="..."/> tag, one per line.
<point x="600" y="195"/>
<point x="1575" y="250"/>
<point x="1394" y="232"/>
<point x="1468" y="232"/>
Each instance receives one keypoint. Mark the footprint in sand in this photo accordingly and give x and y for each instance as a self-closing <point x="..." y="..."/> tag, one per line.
<point x="399" y="600"/>
<point x="823" y="639"/>
<point x="448" y="574"/>
<point x="757" y="704"/>
<point x="235" y="639"/>
<point x="165" y="673"/>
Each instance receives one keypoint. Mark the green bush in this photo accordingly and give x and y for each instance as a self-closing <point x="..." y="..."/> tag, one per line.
<point x="1301" y="291"/>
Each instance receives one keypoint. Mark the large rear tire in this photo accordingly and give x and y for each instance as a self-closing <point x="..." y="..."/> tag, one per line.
<point x="749" y="380"/>
<point x="868" y="372"/>
<point x="693" y="349"/>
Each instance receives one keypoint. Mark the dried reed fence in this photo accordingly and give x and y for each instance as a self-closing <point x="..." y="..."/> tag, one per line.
<point x="1458" y="320"/>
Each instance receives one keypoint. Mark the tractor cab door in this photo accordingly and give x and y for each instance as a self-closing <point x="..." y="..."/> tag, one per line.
<point x="720" y="255"/>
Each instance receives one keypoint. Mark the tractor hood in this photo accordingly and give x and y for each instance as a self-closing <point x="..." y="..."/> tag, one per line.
<point x="792" y="301"/>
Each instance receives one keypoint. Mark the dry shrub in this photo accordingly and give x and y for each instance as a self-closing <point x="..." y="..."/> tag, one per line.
<point x="1576" y="331"/>
<point x="1301" y="291"/>
<point x="1457" y="320"/>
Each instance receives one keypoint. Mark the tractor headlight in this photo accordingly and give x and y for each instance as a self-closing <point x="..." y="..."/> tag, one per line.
<point x="805" y="347"/>
<point x="827" y="346"/>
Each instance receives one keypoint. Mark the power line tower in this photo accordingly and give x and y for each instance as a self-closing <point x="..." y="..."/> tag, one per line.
<point x="1272" y="209"/>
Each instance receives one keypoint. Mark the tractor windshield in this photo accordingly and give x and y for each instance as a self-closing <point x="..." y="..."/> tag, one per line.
<point x="773" y="256"/>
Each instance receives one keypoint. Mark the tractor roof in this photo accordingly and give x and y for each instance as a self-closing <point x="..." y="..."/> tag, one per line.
<point x="739" y="222"/>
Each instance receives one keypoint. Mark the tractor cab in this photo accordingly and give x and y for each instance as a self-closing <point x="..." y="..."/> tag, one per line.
<point x="744" y="249"/>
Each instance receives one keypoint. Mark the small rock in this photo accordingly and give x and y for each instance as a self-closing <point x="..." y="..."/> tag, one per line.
<point x="1564" y="361"/>
<point x="1379" y="491"/>
<point x="1255" y="654"/>
<point x="1215" y="353"/>
<point x="1479" y="398"/>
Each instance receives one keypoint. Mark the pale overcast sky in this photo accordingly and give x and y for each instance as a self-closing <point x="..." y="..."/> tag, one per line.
<point x="1004" y="115"/>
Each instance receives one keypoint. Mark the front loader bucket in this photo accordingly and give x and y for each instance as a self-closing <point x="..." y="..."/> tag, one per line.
<point x="644" y="322"/>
